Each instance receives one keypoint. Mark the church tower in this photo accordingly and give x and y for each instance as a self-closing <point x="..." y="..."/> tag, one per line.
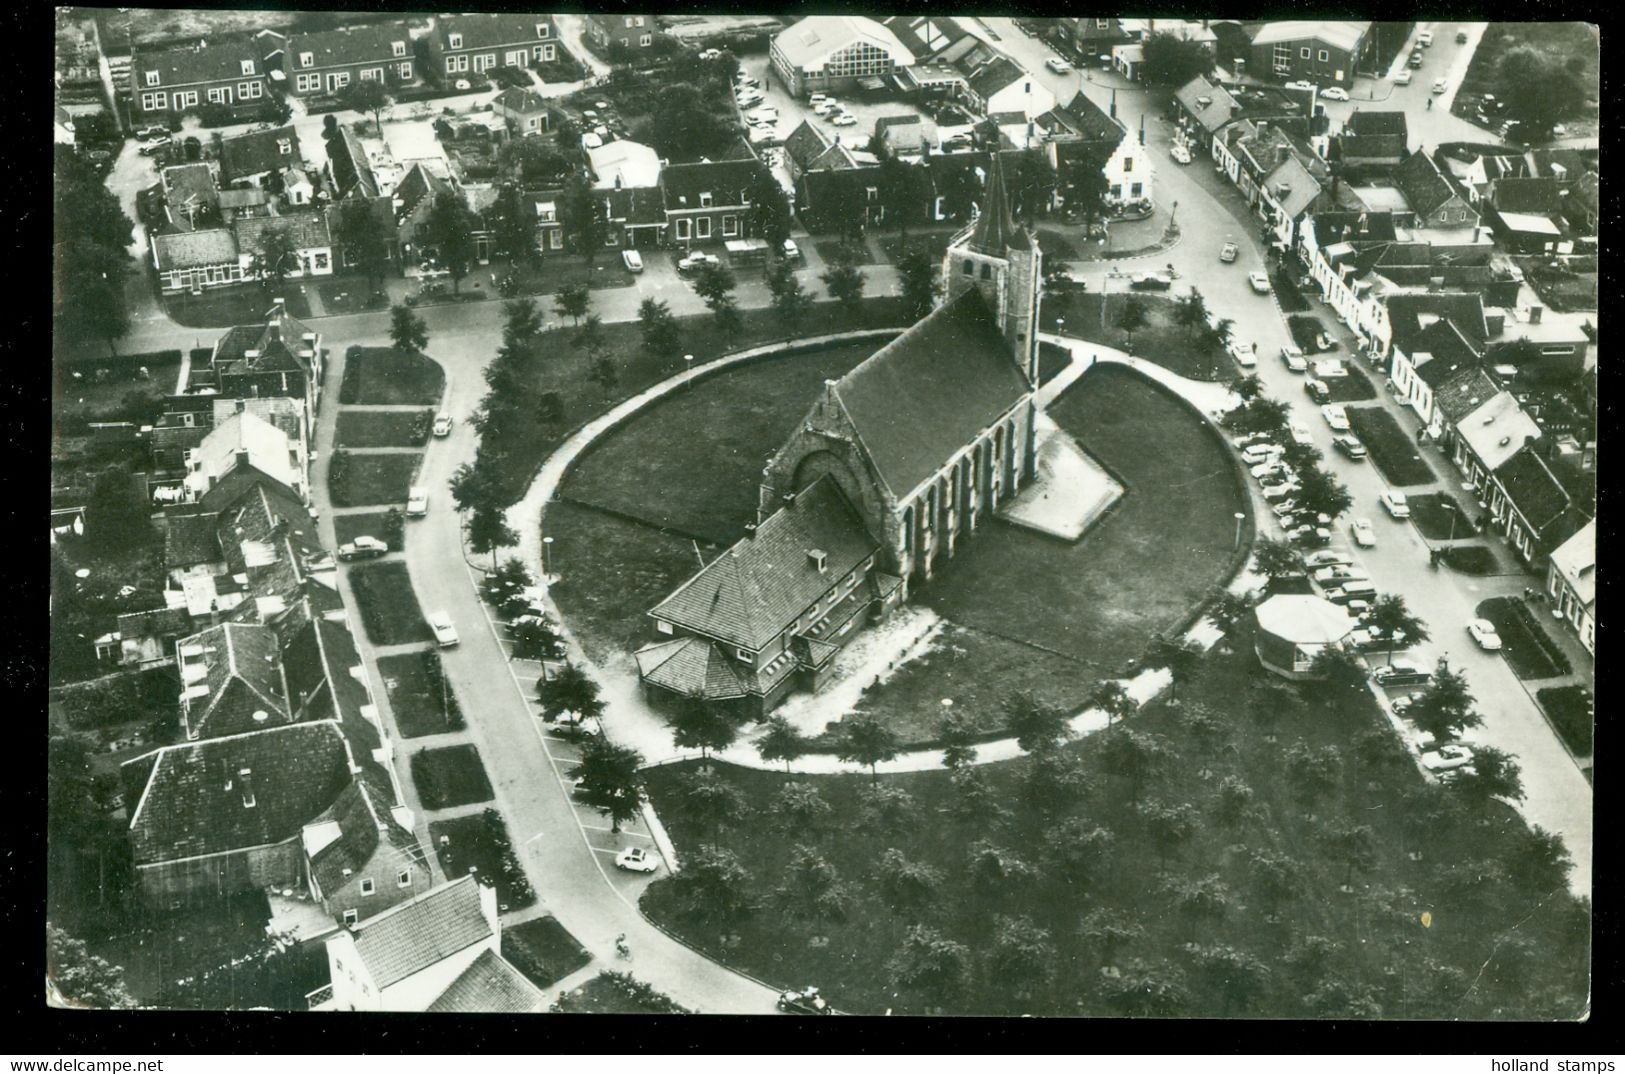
<point x="1006" y="265"/>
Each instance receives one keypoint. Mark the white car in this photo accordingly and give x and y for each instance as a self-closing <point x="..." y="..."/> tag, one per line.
<point x="695" y="260"/>
<point x="445" y="635"/>
<point x="1300" y="432"/>
<point x="1326" y="558"/>
<point x="1260" y="282"/>
<point x="417" y="502"/>
<point x="1335" y="93"/>
<point x="1181" y="153"/>
<point x="767" y="112"/>
<point x="826" y="108"/>
<point x="1337" y="575"/>
<point x="1336" y="417"/>
<point x="1440" y="85"/>
<point x="636" y="860"/>
<point x="791" y="251"/>
<point x="1251" y="440"/>
<point x="1258" y="453"/>
<point x="1057" y="65"/>
<point x="632" y="260"/>
<point x="461" y="83"/>
<point x="1267" y="468"/>
<point x="1395" y="503"/>
<point x="1278" y="491"/>
<point x="1243" y="355"/>
<point x="1483" y="632"/>
<point x="442" y="425"/>
<point x="1294" y="359"/>
<point x="363" y="548"/>
<point x="1425" y="38"/>
<point x="1403" y="78"/>
<point x="1364" y="535"/>
<point x="1445" y="758"/>
<point x="1302" y="85"/>
<point x="845" y="119"/>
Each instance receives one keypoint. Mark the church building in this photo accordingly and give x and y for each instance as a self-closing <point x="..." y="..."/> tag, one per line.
<point x="897" y="464"/>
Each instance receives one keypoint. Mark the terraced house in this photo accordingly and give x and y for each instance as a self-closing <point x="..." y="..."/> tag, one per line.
<point x="229" y="72"/>
<point x="473" y="44"/>
<point x="324" y="63"/>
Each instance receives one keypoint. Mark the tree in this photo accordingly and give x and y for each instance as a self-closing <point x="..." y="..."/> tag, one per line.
<point x="1261" y="415"/>
<point x="604" y="374"/>
<point x="512" y="231"/>
<point x="799" y="805"/>
<point x="1392" y="621"/>
<point x="277" y="256"/>
<point x="906" y="885"/>
<point x="1079" y="851"/>
<point x="1247" y="388"/>
<point x="488" y="531"/>
<point x="1170" y="827"/>
<point x="863" y="739"/>
<point x="1276" y="559"/>
<point x="611" y="780"/>
<point x="571" y="690"/>
<point x="573" y="301"/>
<point x="1237" y="977"/>
<point x="1219" y="334"/>
<point x="790" y="302"/>
<point x="521" y="322"/>
<point x="92" y="257"/>
<point x="1033" y="186"/>
<point x="366" y="95"/>
<point x="1314" y="773"/>
<point x="711" y="801"/>
<point x="1135" y="755"/>
<point x="1445" y="708"/>
<point x="1560" y="95"/>
<point x="1226" y="609"/>
<point x="590" y="337"/>
<point x="1131" y="318"/>
<point x="471" y="488"/>
<point x="1022" y="958"/>
<point x="843" y="279"/>
<point x="1054" y="781"/>
<point x="1180" y="656"/>
<point x="1171" y="61"/>
<point x="996" y="870"/>
<point x="974" y="800"/>
<point x="713" y="282"/>
<point x="918" y="279"/>
<point x="931" y="966"/>
<point x="1081" y="178"/>
<point x="1300" y="457"/>
<point x="361" y="233"/>
<point x="700" y="724"/>
<point x="1493" y="774"/>
<point x="781" y="741"/>
<point x="769" y="213"/>
<point x="1112" y="698"/>
<point x="581" y="218"/>
<point x="536" y="159"/>
<point x="449" y="231"/>
<point x="1146" y="990"/>
<point x="899" y="183"/>
<point x="660" y="333"/>
<point x="1230" y="805"/>
<point x="1321" y="493"/>
<point x="1190" y="312"/>
<point x="957" y="733"/>
<point x="812" y="888"/>
<point x="1036" y="725"/>
<point x="116" y="512"/>
<point x="685" y="126"/>
<point x="536" y="637"/>
<point x="1355" y="845"/>
<point x="712" y="884"/>
<point x="1338" y="672"/>
<point x="407" y="332"/>
<point x="81" y="979"/>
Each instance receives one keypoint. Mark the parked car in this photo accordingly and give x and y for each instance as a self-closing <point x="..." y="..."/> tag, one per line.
<point x="445" y="635"/>
<point x="1349" y="446"/>
<point x="363" y="548"/>
<point x="1057" y="65"/>
<point x="1403" y="78"/>
<point x="1251" y="440"/>
<point x="1279" y="490"/>
<point x="1317" y="390"/>
<point x="1364" y="535"/>
<point x="636" y="860"/>
<point x="1301" y="85"/>
<point x="1416" y="58"/>
<point x="1150" y="281"/>
<point x="148" y="134"/>
<point x="417" y="502"/>
<point x="153" y="147"/>
<point x="1284" y="509"/>
<point x="462" y="84"/>
<point x="1405" y="701"/>
<point x="1335" y="93"/>
<point x="790" y="250"/>
<point x="1328" y="558"/>
<point x="694" y="260"/>
<point x="1228" y="252"/>
<point x="826" y="108"/>
<point x="1440" y="85"/>
<point x="1336" y="417"/>
<point x="1425" y="39"/>
<point x="1300" y="432"/>
<point x="1257" y="453"/>
<point x="1483" y="632"/>
<point x="1402" y="675"/>
<point x="1445" y="758"/>
<point x="805" y="1001"/>
<point x="1395" y="503"/>
<point x="1181" y="153"/>
<point x="1267" y="468"/>
<point x="1340" y="572"/>
<point x="1243" y="355"/>
<point x="442" y="424"/>
<point x="1310" y="536"/>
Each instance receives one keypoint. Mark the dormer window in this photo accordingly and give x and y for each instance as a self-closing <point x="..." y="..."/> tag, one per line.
<point x="307" y="59"/>
<point x="368" y="887"/>
<point x="152" y="78"/>
<point x="542" y="29"/>
<point x="248" y="67"/>
<point x="403" y="879"/>
<point x="629" y="21"/>
<point x="284" y="146"/>
<point x="705" y="201"/>
<point x="398" y="48"/>
<point x="352" y="916"/>
<point x="455" y="41"/>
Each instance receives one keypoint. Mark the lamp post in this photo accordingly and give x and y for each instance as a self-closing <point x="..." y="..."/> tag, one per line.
<point x="1240" y="518"/>
<point x="547" y="559"/>
<point x="688" y="367"/>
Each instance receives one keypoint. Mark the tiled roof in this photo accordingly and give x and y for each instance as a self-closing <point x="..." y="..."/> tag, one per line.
<point x="725" y="180"/>
<point x="1497" y="429"/>
<point x="637" y="205"/>
<point x="251" y="198"/>
<point x="363" y="823"/>
<point x="420" y="932"/>
<point x="258" y="152"/>
<point x="1532" y="488"/>
<point x="1576" y="560"/>
<point x="185" y="183"/>
<point x="1408" y="313"/>
<point x="1371" y="146"/>
<point x="994" y="76"/>
<point x="284" y="412"/>
<point x="805" y="143"/>
<point x="349" y="44"/>
<point x="693" y="667"/>
<point x="632" y="163"/>
<point x="1525" y="195"/>
<point x="490" y="985"/>
<point x="520" y="100"/>
<point x="1292" y="187"/>
<point x="219" y="60"/>
<point x="1087" y="121"/>
<point x="189" y="539"/>
<point x="194" y="798"/>
<point x="486" y="31"/>
<point x="195" y="249"/>
<point x="1377" y="121"/>
<point x="415" y="186"/>
<point x="995" y="232"/>
<point x="352" y="174"/>
<point x="1424" y="186"/>
<point x="1449" y="349"/>
<point x="747" y="595"/>
<point x="811" y="41"/>
<point x="1220" y="105"/>
<point x="238" y="666"/>
<point x="932" y="390"/>
<point x="307" y="230"/>
<point x="277" y="341"/>
<point x="1342" y="35"/>
<point x="382" y="209"/>
<point x="925" y="35"/>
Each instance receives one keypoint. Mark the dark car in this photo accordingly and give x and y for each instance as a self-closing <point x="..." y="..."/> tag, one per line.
<point x="804" y="1001"/>
<point x="1416" y="59"/>
<point x="1402" y="675"/>
<point x="1349" y="445"/>
<point x="1150" y="281"/>
<point x="1317" y="390"/>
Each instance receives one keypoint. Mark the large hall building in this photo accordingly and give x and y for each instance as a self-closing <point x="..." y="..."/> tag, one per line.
<point x="896" y="464"/>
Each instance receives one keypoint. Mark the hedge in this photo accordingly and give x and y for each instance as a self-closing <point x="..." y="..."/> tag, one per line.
<point x="126" y="695"/>
<point x="147" y="358"/>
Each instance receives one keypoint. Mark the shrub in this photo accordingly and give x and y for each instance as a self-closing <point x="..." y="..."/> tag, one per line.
<point x="1470" y="559"/>
<point x="1537" y="633"/>
<point x="148" y="694"/>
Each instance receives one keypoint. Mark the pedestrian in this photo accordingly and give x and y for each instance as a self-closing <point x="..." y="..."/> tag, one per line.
<point x="1430" y="104"/>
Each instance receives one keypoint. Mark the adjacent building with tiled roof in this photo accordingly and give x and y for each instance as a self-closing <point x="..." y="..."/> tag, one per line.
<point x="490" y="985"/>
<point x="622" y="30"/>
<point x="470" y="45"/>
<point x="323" y="63"/>
<point x="1531" y="507"/>
<point x="1432" y="337"/>
<point x="196" y="260"/>
<point x="227" y="71"/>
<point x="307" y="234"/>
<point x="1489" y="435"/>
<point x="360" y="860"/>
<point x="232" y="681"/>
<point x="708" y="201"/>
<point x="282" y="356"/>
<point x="1372" y="137"/>
<point x="1433" y="199"/>
<point x="191" y="198"/>
<point x="348" y="171"/>
<point x="524" y="110"/>
<point x="244" y="437"/>
<point x="257" y="153"/>
<point x="1571" y="582"/>
<point x="1086" y="136"/>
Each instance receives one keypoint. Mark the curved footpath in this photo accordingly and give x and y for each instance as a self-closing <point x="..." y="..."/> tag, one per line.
<point x="631" y="721"/>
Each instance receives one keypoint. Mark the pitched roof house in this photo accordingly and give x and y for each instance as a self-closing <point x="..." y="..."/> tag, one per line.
<point x="1530" y="505"/>
<point x="247" y="439"/>
<point x="326" y="61"/>
<point x="232" y="681"/>
<point x="226" y="71"/>
<point x="1571" y="580"/>
<point x="1431" y="196"/>
<point x="471" y="44"/>
<point x="255" y="154"/>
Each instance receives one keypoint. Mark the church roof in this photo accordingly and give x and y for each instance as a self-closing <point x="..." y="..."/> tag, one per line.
<point x="750" y="593"/>
<point x="932" y="390"/>
<point x="995" y="231"/>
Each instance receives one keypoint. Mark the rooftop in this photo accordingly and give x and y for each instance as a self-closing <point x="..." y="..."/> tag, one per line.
<point x="257" y="152"/>
<point x="811" y="41"/>
<point x="1343" y="35"/>
<point x="1304" y="619"/>
<point x="420" y="932"/>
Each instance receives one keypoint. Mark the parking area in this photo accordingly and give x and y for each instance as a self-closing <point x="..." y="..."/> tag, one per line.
<point x="793" y="110"/>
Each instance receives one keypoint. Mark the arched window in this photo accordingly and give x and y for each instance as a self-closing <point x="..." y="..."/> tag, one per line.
<point x="969" y="267"/>
<point x="987" y="271"/>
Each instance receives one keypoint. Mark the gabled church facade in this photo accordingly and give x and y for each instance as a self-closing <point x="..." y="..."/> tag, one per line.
<point x="896" y="465"/>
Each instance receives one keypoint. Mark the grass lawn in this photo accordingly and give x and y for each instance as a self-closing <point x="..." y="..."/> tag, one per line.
<point x="558" y="271"/>
<point x="121" y="393"/>
<point x="1269" y="883"/>
<point x="423" y="702"/>
<point x="448" y="777"/>
<point x="1056" y="246"/>
<point x="347" y="528"/>
<point x="357" y="480"/>
<point x="380" y="376"/>
<point x="481" y="842"/>
<point x="1392" y="449"/>
<point x="240" y="304"/>
<point x="543" y="950"/>
<point x="829" y="250"/>
<point x="350" y="294"/>
<point x="710" y="489"/>
<point x="1052" y="359"/>
<point x="613" y="571"/>
<point x="1473" y="559"/>
<point x="1559" y="41"/>
<point x="1306" y="330"/>
<point x="1094" y="600"/>
<point x="1161" y="340"/>
<point x="1354" y="388"/>
<point x="1529" y="651"/>
<point x="934" y="243"/>
<point x="383" y="428"/>
<point x="388" y="606"/>
<point x="555" y="365"/>
<point x="1439" y="517"/>
<point x="1287" y="294"/>
<point x="619" y="993"/>
<point x="1573" y="713"/>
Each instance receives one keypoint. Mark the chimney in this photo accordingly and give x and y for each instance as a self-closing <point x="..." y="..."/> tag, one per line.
<point x="819" y="559"/>
<point x="750" y="530"/>
<point x="1476" y="232"/>
<point x="240" y="456"/>
<point x="242" y="405"/>
<point x="1535" y="313"/>
<point x="248" y="788"/>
